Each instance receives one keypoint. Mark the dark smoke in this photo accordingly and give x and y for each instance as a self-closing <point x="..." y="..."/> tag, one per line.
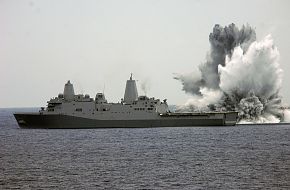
<point x="222" y="41"/>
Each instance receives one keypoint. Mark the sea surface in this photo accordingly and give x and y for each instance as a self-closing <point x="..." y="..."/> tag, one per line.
<point x="241" y="157"/>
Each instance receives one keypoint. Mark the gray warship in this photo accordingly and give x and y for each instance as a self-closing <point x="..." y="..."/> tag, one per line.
<point x="81" y="111"/>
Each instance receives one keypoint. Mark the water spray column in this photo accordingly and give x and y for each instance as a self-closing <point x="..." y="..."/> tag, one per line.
<point x="131" y="93"/>
<point x="68" y="92"/>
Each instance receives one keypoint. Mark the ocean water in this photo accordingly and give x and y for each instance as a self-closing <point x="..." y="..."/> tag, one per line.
<point x="241" y="157"/>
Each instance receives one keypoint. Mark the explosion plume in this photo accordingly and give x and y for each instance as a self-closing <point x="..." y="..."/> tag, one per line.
<point x="239" y="74"/>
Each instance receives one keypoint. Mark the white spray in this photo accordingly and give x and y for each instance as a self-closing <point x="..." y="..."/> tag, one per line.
<point x="240" y="74"/>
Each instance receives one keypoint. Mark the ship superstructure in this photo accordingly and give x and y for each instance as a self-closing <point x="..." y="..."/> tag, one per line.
<point x="69" y="110"/>
<point x="131" y="107"/>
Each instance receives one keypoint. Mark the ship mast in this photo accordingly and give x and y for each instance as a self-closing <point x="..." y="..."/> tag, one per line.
<point x="131" y="93"/>
<point x="68" y="91"/>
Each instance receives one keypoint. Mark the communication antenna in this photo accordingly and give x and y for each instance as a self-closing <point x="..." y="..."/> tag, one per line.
<point x="104" y="88"/>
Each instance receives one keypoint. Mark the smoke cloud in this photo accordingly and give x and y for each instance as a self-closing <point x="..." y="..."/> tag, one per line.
<point x="145" y="86"/>
<point x="239" y="74"/>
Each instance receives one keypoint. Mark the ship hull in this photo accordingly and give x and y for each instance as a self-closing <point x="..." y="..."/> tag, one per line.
<point x="36" y="120"/>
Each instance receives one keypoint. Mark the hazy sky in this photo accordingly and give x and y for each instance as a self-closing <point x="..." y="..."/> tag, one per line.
<point x="99" y="43"/>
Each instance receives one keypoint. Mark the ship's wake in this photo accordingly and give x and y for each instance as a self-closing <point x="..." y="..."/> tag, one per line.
<point x="239" y="74"/>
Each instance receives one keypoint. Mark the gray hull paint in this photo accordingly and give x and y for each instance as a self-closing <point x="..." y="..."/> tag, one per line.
<point x="71" y="122"/>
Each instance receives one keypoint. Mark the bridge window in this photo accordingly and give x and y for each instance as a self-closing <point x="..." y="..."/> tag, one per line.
<point x="79" y="109"/>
